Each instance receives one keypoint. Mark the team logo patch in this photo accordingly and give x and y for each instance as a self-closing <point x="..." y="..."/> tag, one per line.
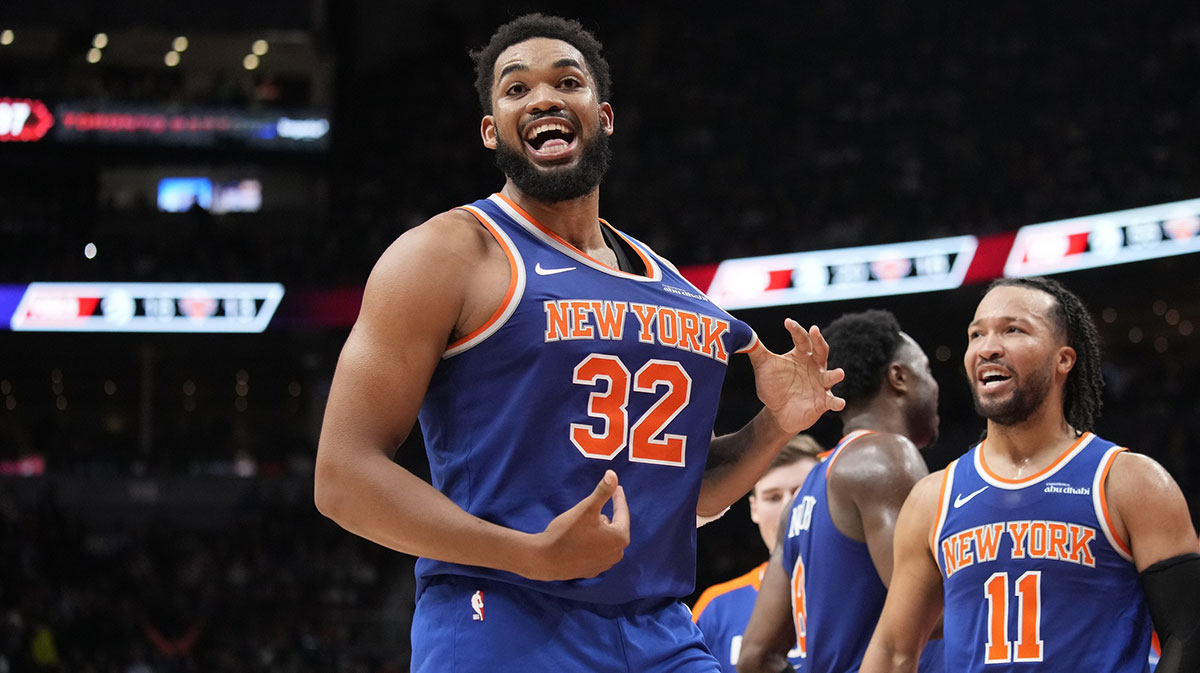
<point x="477" y="606"/>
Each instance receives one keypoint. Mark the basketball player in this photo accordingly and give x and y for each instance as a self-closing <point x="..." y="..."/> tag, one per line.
<point x="1049" y="547"/>
<point x="826" y="582"/>
<point x="723" y="609"/>
<point x="566" y="380"/>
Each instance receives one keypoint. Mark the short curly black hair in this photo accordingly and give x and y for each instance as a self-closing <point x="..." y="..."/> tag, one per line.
<point x="528" y="27"/>
<point x="863" y="344"/>
<point x="1082" y="395"/>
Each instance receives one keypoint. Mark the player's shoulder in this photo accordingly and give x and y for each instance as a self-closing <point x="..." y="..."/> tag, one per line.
<point x="452" y="238"/>
<point x="878" y="456"/>
<point x="1134" y="477"/>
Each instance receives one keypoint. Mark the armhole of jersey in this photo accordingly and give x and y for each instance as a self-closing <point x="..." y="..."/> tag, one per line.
<point x="653" y="271"/>
<point x="516" y="287"/>
<point x="836" y="450"/>
<point x="1100" y="502"/>
<point x="754" y="343"/>
<point x="942" y="510"/>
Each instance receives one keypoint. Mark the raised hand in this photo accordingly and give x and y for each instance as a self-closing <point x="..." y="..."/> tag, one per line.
<point x="583" y="542"/>
<point x="795" y="387"/>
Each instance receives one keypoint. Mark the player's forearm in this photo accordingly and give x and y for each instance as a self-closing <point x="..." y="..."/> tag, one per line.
<point x="881" y="658"/>
<point x="758" y="660"/>
<point x="382" y="502"/>
<point x="737" y="460"/>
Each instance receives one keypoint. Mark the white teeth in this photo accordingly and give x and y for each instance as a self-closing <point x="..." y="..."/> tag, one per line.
<point x="533" y="133"/>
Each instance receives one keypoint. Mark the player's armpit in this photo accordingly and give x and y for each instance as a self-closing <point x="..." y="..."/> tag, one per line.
<point x="771" y="631"/>
<point x="914" y="601"/>
<point x="1172" y="590"/>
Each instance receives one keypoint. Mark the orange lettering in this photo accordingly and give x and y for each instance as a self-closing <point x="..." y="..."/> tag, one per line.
<point x="610" y="318"/>
<point x="645" y="315"/>
<point x="579" y="327"/>
<point x="558" y="323"/>
<point x="714" y="329"/>
<point x="1019" y="531"/>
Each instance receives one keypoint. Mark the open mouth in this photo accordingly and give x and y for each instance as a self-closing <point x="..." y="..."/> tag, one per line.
<point x="550" y="138"/>
<point x="992" y="377"/>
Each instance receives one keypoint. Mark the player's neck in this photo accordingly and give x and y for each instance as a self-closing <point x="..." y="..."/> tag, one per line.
<point x="1021" y="450"/>
<point x="577" y="220"/>
<point x="878" y="417"/>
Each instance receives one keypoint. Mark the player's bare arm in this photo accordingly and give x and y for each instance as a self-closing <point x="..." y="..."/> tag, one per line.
<point x="1150" y="515"/>
<point x="868" y="486"/>
<point x="795" y="390"/>
<point x="771" y="631"/>
<point x="429" y="287"/>
<point x="914" y="600"/>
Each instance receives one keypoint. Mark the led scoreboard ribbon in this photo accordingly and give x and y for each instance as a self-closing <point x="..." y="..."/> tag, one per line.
<point x="147" y="307"/>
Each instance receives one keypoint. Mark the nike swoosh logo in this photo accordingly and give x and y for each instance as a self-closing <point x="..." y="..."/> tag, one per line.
<point x="959" y="500"/>
<point x="542" y="271"/>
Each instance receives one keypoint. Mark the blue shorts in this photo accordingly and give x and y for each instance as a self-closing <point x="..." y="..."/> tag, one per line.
<point x="467" y="624"/>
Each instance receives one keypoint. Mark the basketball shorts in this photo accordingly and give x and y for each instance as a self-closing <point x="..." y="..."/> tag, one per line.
<point x="464" y="625"/>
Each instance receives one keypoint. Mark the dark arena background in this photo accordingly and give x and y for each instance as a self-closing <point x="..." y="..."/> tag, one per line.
<point x="210" y="183"/>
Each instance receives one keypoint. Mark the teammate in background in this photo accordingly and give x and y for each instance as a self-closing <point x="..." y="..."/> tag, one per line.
<point x="826" y="582"/>
<point x="723" y="609"/>
<point x="566" y="380"/>
<point x="1049" y="547"/>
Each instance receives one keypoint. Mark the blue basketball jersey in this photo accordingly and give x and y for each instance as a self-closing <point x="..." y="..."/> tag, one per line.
<point x="837" y="595"/>
<point x="1034" y="578"/>
<point x="723" y="611"/>
<point x="583" y="368"/>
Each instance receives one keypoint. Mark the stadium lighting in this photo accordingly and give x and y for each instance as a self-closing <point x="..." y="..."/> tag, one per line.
<point x="250" y="62"/>
<point x="171" y="59"/>
<point x="100" y="40"/>
<point x="6" y="37"/>
<point x="259" y="48"/>
<point x="93" y="55"/>
<point x="179" y="44"/>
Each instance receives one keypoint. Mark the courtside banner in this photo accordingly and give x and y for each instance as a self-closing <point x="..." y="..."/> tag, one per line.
<point x="147" y="307"/>
<point x="1102" y="240"/>
<point x="845" y="273"/>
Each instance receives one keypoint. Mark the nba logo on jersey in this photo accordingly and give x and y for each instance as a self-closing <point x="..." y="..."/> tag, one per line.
<point x="477" y="606"/>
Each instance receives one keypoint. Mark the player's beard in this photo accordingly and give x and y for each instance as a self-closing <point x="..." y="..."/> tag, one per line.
<point x="1020" y="404"/>
<point x="557" y="184"/>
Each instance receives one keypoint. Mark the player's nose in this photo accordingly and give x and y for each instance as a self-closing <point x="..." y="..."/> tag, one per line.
<point x="544" y="98"/>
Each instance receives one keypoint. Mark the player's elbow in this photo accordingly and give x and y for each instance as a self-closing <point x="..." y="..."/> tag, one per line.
<point x="328" y="495"/>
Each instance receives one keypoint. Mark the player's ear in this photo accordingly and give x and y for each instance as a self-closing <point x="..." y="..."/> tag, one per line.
<point x="897" y="376"/>
<point x="1066" y="359"/>
<point x="487" y="131"/>
<point x="606" y="118"/>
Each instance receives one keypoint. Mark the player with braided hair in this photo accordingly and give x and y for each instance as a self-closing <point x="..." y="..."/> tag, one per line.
<point x="1049" y="548"/>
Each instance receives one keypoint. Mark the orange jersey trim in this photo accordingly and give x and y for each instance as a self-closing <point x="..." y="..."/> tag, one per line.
<point x="562" y="241"/>
<point x="512" y="282"/>
<point x="1033" y="477"/>
<point x="752" y="578"/>
<point x="845" y="441"/>
<point x="645" y="260"/>
<point x="939" y="517"/>
<point x="1104" y="501"/>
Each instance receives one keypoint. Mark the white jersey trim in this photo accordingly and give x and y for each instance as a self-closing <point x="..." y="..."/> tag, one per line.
<point x="1101" y="510"/>
<point x="517" y="268"/>
<point x="1060" y="463"/>
<point x="654" y="273"/>
<point x="943" y="512"/>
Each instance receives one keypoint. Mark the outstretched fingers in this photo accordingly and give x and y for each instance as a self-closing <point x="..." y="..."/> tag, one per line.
<point x="801" y="339"/>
